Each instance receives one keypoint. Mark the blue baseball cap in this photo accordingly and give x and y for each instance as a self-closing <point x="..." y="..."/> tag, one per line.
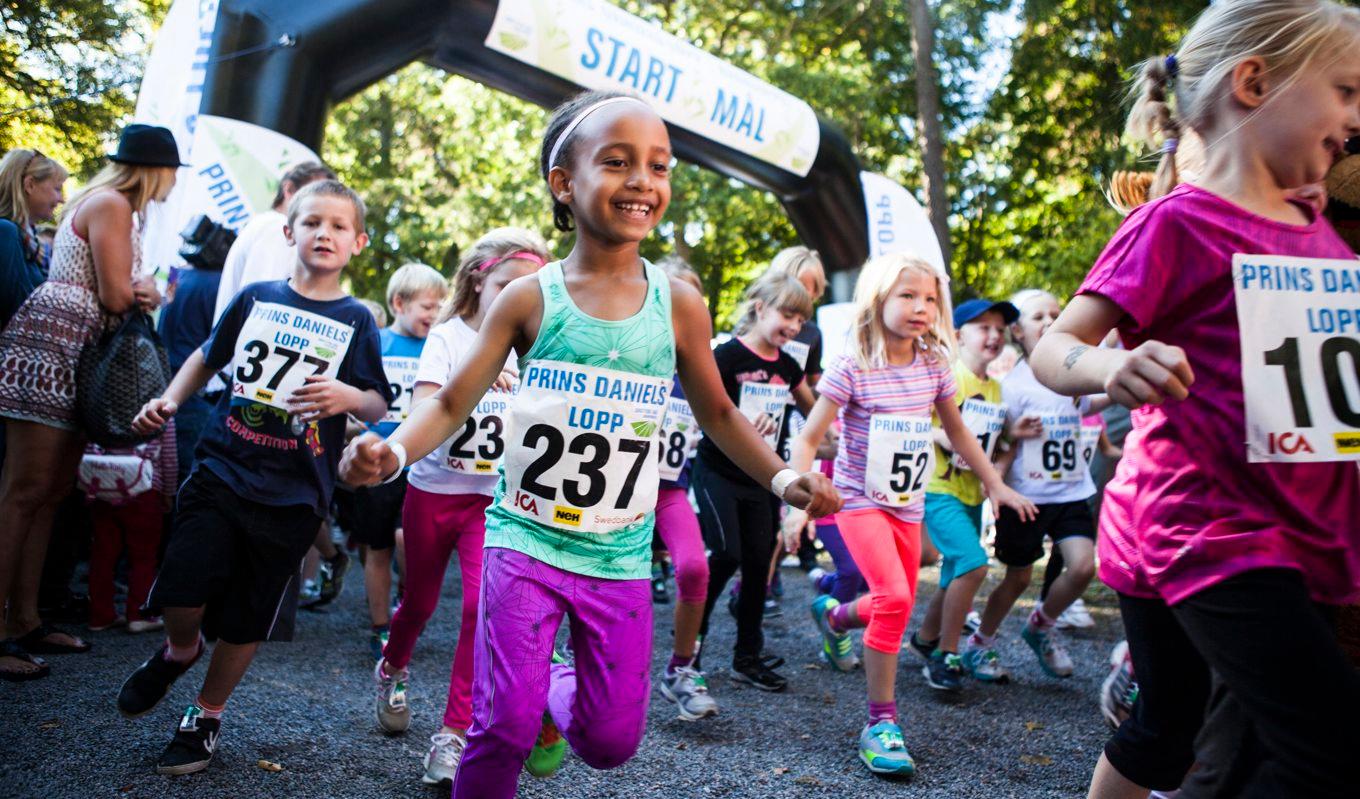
<point x="972" y="309"/>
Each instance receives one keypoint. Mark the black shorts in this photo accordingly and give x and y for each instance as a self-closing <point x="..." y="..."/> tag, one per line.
<point x="372" y="515"/>
<point x="236" y="558"/>
<point x="1022" y="543"/>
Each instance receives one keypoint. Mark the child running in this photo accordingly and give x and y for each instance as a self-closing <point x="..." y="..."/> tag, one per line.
<point x="739" y="518"/>
<point x="449" y="492"/>
<point x="414" y="293"/>
<point x="1046" y="466"/>
<point x="303" y="354"/>
<point x="954" y="499"/>
<point x="569" y="530"/>
<point x="883" y="389"/>
<point x="1227" y="563"/>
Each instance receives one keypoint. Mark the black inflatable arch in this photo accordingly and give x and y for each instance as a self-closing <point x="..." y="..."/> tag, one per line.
<point x="327" y="51"/>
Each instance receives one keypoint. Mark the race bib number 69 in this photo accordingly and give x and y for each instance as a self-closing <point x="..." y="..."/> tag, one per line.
<point x="581" y="457"/>
<point x="1299" y="320"/>
<point x="280" y="346"/>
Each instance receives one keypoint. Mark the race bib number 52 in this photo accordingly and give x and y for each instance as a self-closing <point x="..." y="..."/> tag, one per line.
<point x="280" y="346"/>
<point x="901" y="459"/>
<point x="1299" y="320"/>
<point x="581" y="457"/>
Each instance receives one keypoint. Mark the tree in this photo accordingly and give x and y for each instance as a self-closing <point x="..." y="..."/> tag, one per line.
<point x="928" y="117"/>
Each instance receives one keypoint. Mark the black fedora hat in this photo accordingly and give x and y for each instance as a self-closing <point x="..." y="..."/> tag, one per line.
<point x="147" y="145"/>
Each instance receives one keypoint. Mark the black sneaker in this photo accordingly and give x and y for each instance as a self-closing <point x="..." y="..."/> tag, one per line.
<point x="753" y="671"/>
<point x="148" y="684"/>
<point x="332" y="576"/>
<point x="661" y="595"/>
<point x="923" y="648"/>
<point x="192" y="747"/>
<point x="944" y="671"/>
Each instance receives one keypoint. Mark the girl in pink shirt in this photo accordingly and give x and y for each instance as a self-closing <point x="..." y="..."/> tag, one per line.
<point x="1224" y="566"/>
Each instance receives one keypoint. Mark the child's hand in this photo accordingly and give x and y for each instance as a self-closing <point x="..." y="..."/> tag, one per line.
<point x="366" y="461"/>
<point x="153" y="416"/>
<point x="791" y="531"/>
<point x="1027" y="426"/>
<point x="764" y="424"/>
<point x="1006" y="496"/>
<point x="507" y="379"/>
<point x="1112" y="452"/>
<point x="1149" y="374"/>
<point x="323" y="397"/>
<point x="814" y="493"/>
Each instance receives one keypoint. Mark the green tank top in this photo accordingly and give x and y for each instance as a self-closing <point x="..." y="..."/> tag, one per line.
<point x="570" y="437"/>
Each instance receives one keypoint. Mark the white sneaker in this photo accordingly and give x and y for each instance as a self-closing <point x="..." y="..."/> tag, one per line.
<point x="1049" y="648"/>
<point x="1076" y="617"/>
<point x="815" y="575"/>
<point x="146" y="625"/>
<point x="789" y="562"/>
<point x="394" y="715"/>
<point x="441" y="762"/>
<point x="688" y="690"/>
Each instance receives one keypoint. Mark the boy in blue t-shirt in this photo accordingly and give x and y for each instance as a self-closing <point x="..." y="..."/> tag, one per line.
<point x="302" y="354"/>
<point x="373" y="515"/>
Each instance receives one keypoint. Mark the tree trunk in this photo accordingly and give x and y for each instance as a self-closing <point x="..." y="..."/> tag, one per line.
<point x="928" y="121"/>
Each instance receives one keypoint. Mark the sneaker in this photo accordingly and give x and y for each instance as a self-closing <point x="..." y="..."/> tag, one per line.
<point x="753" y="671"/>
<point x="883" y="751"/>
<point x="394" y="715"/>
<point x="944" y="671"/>
<point x="1048" y="646"/>
<point x="441" y="762"/>
<point x="661" y="595"/>
<point x="815" y="575"/>
<point x="549" y="750"/>
<point x="772" y="608"/>
<point x="147" y="685"/>
<point x="331" y="576"/>
<point x="377" y="639"/>
<point x="972" y="623"/>
<point x="688" y="690"/>
<point x="923" y="648"/>
<point x="836" y="647"/>
<point x="983" y="663"/>
<point x="1119" y="690"/>
<point x="146" y="625"/>
<point x="1076" y="617"/>
<point x="309" y="594"/>
<point x="192" y="747"/>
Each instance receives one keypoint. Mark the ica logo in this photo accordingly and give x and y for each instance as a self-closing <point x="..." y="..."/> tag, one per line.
<point x="1288" y="443"/>
<point x="526" y="502"/>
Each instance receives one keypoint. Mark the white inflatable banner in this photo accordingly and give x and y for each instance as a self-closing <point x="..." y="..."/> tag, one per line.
<point x="595" y="44"/>
<point x="897" y="223"/>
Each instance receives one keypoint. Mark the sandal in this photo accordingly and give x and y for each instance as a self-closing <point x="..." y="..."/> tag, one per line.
<point x="35" y="641"/>
<point x="11" y="648"/>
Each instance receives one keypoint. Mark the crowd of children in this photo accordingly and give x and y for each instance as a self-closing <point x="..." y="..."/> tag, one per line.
<point x="547" y="418"/>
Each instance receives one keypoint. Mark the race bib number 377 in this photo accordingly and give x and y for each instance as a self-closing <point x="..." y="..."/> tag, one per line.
<point x="280" y="346"/>
<point x="1299" y="320"/>
<point x="582" y="457"/>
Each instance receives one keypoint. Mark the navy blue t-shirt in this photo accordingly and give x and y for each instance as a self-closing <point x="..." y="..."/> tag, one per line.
<point x="264" y="453"/>
<point x="187" y="322"/>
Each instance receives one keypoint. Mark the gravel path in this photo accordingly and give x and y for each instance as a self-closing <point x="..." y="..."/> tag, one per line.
<point x="306" y="705"/>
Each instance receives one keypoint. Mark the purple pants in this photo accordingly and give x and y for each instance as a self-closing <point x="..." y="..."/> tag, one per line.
<point x="678" y="528"/>
<point x="846" y="584"/>
<point x="600" y="705"/>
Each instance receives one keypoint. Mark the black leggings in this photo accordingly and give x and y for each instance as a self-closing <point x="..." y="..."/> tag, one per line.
<point x="738" y="522"/>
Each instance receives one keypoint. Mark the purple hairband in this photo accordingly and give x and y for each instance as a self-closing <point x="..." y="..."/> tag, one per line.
<point x="522" y="255"/>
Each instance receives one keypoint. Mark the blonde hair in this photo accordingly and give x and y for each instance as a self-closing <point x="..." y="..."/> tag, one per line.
<point x="18" y="165"/>
<point x="413" y="280"/>
<point x="467" y="279"/>
<point x="1020" y="299"/>
<point x="773" y="289"/>
<point x="328" y="188"/>
<point x="678" y="268"/>
<point x="869" y="340"/>
<point x="379" y="315"/>
<point x="140" y="184"/>
<point x="1288" y="35"/>
<point x="793" y="260"/>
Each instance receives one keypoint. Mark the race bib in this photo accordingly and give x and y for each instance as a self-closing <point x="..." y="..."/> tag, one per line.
<point x="1056" y="458"/>
<point x="679" y="438"/>
<point x="477" y="448"/>
<point x="766" y="398"/>
<point x="1299" y="321"/>
<point x="581" y="456"/>
<point x="799" y="350"/>
<point x="901" y="459"/>
<point x="1090" y="440"/>
<point x="280" y="346"/>
<point x="401" y="375"/>
<point x="985" y="420"/>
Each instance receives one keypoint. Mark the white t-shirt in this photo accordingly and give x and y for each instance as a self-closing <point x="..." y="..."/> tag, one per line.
<point x="445" y="348"/>
<point x="260" y="252"/>
<point x="1047" y="470"/>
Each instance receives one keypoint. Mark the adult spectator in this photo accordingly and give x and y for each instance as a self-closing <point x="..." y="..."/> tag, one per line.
<point x="185" y="324"/>
<point x="261" y="252"/>
<point x="95" y="277"/>
<point x="30" y="191"/>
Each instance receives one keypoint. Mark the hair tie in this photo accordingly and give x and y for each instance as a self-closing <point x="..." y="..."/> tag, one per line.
<point x="579" y="118"/>
<point x="1172" y="67"/>
<point x="521" y="255"/>
<point x="1169" y="146"/>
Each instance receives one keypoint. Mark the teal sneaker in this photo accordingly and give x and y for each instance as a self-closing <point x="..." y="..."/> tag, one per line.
<point x="837" y="649"/>
<point x="1049" y="649"/>
<point x="984" y="664"/>
<point x="549" y="750"/>
<point x="883" y="751"/>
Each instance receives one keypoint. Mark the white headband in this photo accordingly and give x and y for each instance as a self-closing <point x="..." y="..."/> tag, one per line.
<point x="567" y="131"/>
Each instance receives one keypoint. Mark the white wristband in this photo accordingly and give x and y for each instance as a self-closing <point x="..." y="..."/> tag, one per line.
<point x="400" y="452"/>
<point x="781" y="481"/>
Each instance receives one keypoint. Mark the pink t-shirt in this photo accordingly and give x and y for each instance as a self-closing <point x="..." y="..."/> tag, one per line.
<point x="1185" y="509"/>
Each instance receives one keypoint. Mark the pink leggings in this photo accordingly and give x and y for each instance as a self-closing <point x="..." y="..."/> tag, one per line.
<point x="888" y="553"/>
<point x="678" y="528"/>
<point x="435" y="525"/>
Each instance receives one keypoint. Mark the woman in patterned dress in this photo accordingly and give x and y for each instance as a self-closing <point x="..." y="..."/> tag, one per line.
<point x="95" y="276"/>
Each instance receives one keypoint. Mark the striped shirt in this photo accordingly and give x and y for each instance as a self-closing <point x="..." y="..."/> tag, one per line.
<point x="910" y="390"/>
